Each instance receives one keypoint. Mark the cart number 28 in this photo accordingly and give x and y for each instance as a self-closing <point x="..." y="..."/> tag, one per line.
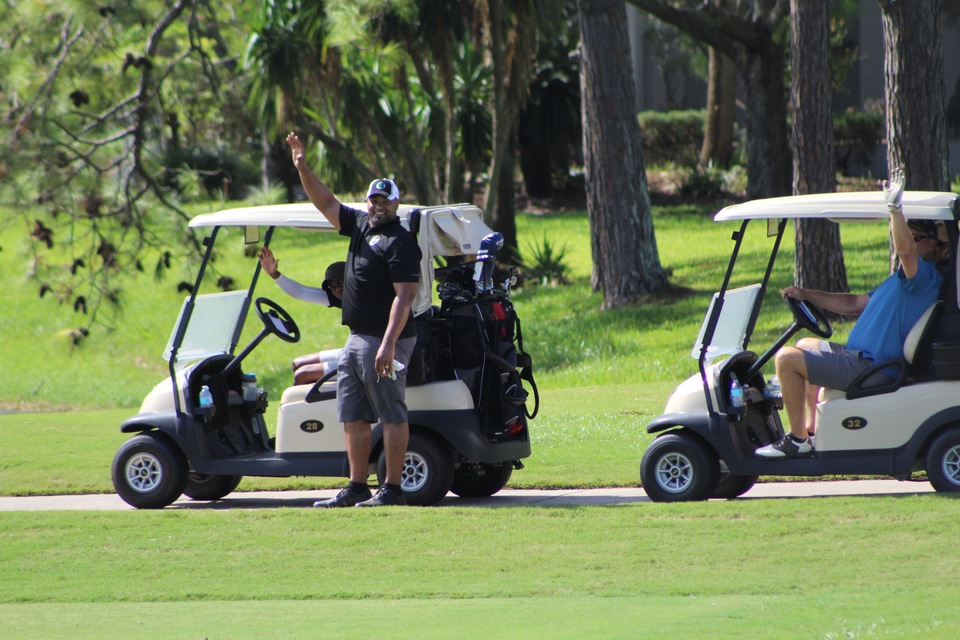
<point x="311" y="426"/>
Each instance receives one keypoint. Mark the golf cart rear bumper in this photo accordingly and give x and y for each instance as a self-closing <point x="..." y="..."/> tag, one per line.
<point x="462" y="431"/>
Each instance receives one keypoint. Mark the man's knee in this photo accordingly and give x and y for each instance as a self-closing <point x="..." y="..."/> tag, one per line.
<point x="790" y="359"/>
<point x="308" y="374"/>
<point x="808" y="344"/>
<point x="302" y="361"/>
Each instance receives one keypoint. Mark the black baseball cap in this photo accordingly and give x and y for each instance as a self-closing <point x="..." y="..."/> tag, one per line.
<point x="383" y="187"/>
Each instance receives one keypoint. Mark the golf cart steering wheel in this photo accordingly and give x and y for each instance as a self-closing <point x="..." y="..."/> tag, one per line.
<point x="810" y="317"/>
<point x="277" y="321"/>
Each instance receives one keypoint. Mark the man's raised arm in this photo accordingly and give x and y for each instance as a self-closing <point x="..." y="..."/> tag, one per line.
<point x="319" y="194"/>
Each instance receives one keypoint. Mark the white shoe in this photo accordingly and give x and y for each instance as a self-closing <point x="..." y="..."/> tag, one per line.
<point x="785" y="447"/>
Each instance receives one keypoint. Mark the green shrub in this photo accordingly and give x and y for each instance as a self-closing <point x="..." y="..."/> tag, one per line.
<point x="703" y="183"/>
<point x="671" y="136"/>
<point x="222" y="172"/>
<point x="259" y="195"/>
<point x="856" y="136"/>
<point x="549" y="265"/>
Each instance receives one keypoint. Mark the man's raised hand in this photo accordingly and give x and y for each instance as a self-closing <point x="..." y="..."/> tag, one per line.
<point x="893" y="190"/>
<point x="296" y="149"/>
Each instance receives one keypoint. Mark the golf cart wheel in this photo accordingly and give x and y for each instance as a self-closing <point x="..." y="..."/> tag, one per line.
<point x="481" y="480"/>
<point x="943" y="462"/>
<point x="149" y="471"/>
<point x="732" y="486"/>
<point x="201" y="486"/>
<point x="427" y="471"/>
<point x="678" y="468"/>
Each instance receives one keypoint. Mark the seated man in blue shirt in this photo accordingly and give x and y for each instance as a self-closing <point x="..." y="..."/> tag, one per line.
<point x="886" y="315"/>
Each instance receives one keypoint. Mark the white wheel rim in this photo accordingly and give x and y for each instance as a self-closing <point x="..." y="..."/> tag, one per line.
<point x="951" y="465"/>
<point x="144" y="473"/>
<point x="415" y="472"/>
<point x="674" y="472"/>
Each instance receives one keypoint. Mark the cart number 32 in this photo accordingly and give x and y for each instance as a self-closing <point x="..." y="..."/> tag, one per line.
<point x="854" y="423"/>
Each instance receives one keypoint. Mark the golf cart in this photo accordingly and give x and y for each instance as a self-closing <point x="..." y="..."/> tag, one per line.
<point x="706" y="437"/>
<point x="202" y="429"/>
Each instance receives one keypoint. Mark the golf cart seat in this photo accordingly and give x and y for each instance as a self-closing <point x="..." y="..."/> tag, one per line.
<point x="916" y="342"/>
<point x="298" y="393"/>
<point x="447" y="394"/>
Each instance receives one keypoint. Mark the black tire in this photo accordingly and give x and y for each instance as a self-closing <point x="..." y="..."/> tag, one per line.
<point x="678" y="468"/>
<point x="427" y="471"/>
<point x="209" y="487"/>
<point x="481" y="480"/>
<point x="943" y="462"/>
<point x="149" y="471"/>
<point x="732" y="486"/>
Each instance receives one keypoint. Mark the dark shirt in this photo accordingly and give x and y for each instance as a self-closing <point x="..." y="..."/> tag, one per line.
<point x="377" y="258"/>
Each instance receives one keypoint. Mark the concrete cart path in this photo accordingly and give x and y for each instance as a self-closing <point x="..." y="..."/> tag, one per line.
<point x="506" y="498"/>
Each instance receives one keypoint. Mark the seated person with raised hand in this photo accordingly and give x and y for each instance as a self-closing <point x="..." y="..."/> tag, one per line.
<point x="310" y="367"/>
<point x="885" y="316"/>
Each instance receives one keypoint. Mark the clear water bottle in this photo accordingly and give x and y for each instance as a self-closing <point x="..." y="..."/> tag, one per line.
<point x="206" y="398"/>
<point x="775" y="387"/>
<point x="249" y="386"/>
<point x="736" y="393"/>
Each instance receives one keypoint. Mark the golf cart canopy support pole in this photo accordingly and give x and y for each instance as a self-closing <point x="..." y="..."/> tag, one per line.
<point x="737" y="237"/>
<point x="185" y="321"/>
<point x="711" y="328"/>
<point x="235" y="340"/>
<point x="752" y="371"/>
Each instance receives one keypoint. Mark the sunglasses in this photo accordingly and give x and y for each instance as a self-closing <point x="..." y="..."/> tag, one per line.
<point x="917" y="237"/>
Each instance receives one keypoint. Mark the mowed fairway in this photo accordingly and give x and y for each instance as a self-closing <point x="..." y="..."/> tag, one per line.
<point x="872" y="567"/>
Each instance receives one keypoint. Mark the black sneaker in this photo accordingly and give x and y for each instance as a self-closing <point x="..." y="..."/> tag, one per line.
<point x="346" y="498"/>
<point x="785" y="447"/>
<point x="384" y="498"/>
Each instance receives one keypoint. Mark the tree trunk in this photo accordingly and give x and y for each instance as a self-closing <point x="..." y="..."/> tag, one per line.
<point x="767" y="146"/>
<point x="749" y="39"/>
<point x="626" y="264"/>
<point x="507" y="202"/>
<point x="819" y="259"/>
<point x="721" y="103"/>
<point x="511" y="29"/>
<point x="914" y="91"/>
<point x="535" y="159"/>
<point x="915" y="95"/>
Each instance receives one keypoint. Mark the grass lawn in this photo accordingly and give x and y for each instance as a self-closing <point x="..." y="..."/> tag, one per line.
<point x="871" y="567"/>
<point x="874" y="567"/>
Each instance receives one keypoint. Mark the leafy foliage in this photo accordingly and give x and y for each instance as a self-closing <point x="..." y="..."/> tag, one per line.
<point x="857" y="134"/>
<point x="93" y="100"/>
<point x="548" y="262"/>
<point x="671" y="136"/>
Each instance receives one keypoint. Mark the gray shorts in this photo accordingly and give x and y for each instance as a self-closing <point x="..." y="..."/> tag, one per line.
<point x="361" y="393"/>
<point x="833" y="366"/>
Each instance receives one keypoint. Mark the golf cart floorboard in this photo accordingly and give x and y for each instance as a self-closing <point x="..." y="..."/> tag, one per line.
<point x="879" y="462"/>
<point x="278" y="465"/>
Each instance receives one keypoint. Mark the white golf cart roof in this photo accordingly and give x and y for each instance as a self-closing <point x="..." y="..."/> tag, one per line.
<point x="443" y="230"/>
<point x="848" y="206"/>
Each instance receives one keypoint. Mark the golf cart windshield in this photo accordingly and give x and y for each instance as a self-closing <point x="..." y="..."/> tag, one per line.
<point x="212" y="324"/>
<point x="731" y="327"/>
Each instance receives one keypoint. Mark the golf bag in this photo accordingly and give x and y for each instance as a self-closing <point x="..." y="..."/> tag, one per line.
<point x="486" y="348"/>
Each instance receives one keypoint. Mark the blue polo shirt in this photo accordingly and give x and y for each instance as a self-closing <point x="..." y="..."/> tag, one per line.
<point x="894" y="307"/>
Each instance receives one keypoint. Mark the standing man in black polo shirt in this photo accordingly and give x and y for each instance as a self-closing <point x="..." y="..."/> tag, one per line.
<point x="383" y="271"/>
